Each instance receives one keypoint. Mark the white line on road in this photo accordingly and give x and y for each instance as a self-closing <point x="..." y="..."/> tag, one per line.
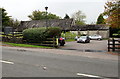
<point x="87" y="75"/>
<point x="7" y="62"/>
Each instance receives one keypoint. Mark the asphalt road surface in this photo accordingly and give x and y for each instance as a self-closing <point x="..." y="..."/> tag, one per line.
<point x="27" y="63"/>
<point x="94" y="45"/>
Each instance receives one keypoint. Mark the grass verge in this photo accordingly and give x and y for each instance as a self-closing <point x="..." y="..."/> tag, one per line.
<point x="25" y="45"/>
<point x="69" y="40"/>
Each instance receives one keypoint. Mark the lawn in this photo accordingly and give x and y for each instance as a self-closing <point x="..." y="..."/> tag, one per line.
<point x="25" y="45"/>
<point x="69" y="40"/>
<point x="69" y="36"/>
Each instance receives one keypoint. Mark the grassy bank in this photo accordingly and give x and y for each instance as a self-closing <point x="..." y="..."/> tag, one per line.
<point x="25" y="45"/>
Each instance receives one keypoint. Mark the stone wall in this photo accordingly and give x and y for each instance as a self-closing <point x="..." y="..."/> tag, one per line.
<point x="104" y="34"/>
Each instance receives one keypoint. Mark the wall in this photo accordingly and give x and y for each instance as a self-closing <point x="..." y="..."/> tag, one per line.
<point x="103" y="33"/>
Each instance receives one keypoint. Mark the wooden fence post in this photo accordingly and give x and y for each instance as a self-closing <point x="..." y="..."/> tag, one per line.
<point x="113" y="47"/>
<point x="108" y="45"/>
<point x="54" y="42"/>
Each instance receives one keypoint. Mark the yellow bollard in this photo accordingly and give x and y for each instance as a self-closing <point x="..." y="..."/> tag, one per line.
<point x="57" y="41"/>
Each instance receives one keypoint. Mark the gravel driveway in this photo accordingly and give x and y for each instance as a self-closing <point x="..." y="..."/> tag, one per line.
<point x="94" y="45"/>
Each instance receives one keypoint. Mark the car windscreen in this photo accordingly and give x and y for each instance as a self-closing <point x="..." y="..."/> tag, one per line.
<point x="83" y="37"/>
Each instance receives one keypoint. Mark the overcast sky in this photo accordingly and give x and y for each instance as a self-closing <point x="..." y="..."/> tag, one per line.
<point x="20" y="9"/>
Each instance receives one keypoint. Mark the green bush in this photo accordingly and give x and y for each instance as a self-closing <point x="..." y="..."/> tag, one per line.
<point x="69" y="35"/>
<point x="37" y="35"/>
<point x="53" y="32"/>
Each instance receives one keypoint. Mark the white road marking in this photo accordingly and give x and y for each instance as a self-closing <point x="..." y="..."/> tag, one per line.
<point x="7" y="62"/>
<point x="87" y="75"/>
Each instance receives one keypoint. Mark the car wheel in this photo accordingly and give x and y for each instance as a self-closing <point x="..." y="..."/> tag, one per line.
<point x="58" y="44"/>
<point x="99" y="39"/>
<point x="61" y="44"/>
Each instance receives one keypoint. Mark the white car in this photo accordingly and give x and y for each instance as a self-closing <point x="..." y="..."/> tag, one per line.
<point x="83" y="39"/>
<point x="96" y="37"/>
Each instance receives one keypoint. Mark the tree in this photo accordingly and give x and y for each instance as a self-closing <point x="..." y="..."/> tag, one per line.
<point x="5" y="17"/>
<point x="79" y="18"/>
<point x="112" y="11"/>
<point x="39" y="15"/>
<point x="66" y="17"/>
<point x="100" y="19"/>
<point x="7" y="21"/>
<point x="14" y="23"/>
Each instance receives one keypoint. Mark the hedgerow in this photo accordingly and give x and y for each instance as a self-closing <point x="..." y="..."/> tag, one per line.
<point x="35" y="35"/>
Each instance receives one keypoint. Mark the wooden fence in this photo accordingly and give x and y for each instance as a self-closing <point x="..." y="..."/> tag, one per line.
<point x="52" y="42"/>
<point x="17" y="37"/>
<point x="114" y="45"/>
<point x="12" y="35"/>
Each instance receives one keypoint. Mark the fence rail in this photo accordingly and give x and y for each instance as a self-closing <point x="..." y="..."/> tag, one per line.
<point x="114" y="45"/>
<point x="10" y="35"/>
<point x="53" y="42"/>
<point x="17" y="37"/>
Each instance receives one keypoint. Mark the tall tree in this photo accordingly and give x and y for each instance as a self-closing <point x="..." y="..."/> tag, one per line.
<point x="79" y="18"/>
<point x="100" y="19"/>
<point x="5" y="17"/>
<point x="14" y="23"/>
<point x="39" y="15"/>
<point x="66" y="16"/>
<point x="112" y="11"/>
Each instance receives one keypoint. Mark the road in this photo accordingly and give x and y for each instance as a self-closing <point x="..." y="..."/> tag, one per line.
<point x="27" y="63"/>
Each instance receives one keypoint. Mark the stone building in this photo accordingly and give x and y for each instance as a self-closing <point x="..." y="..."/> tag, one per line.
<point x="66" y="25"/>
<point x="102" y="30"/>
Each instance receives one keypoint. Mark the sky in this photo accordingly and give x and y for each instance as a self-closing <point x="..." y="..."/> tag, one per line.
<point x="20" y="9"/>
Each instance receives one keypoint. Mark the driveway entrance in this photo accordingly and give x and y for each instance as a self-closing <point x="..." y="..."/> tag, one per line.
<point x="93" y="46"/>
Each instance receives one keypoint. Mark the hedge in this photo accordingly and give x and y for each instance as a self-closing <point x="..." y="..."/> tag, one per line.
<point x="53" y="32"/>
<point x="37" y="35"/>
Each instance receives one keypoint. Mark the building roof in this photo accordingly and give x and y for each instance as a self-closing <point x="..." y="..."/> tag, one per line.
<point x="63" y="23"/>
<point x="90" y="27"/>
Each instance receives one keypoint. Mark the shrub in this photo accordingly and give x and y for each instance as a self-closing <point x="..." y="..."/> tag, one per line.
<point x="53" y="32"/>
<point x="69" y="35"/>
<point x="34" y="34"/>
<point x="37" y="35"/>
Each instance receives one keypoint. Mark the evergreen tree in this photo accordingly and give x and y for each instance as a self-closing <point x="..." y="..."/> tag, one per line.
<point x="100" y="19"/>
<point x="5" y="17"/>
<point x="66" y="17"/>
